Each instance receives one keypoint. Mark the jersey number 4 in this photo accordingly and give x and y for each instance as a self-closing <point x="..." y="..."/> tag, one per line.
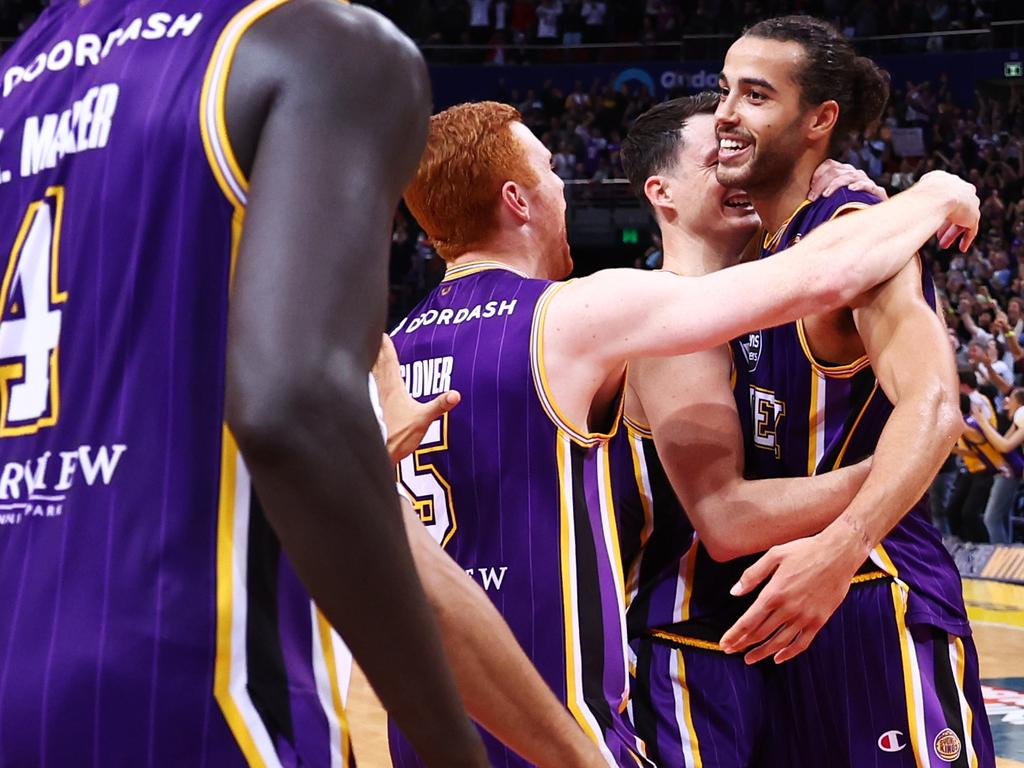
<point x="30" y="322"/>
<point x="430" y="493"/>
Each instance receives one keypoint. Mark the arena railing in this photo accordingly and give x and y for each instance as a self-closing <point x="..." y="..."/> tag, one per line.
<point x="998" y="34"/>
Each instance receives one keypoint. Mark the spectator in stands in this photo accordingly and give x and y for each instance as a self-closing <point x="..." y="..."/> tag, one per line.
<point x="572" y="22"/>
<point x="595" y="21"/>
<point x="1006" y="484"/>
<point x="980" y="463"/>
<point x="548" y="14"/>
<point x="480" y="29"/>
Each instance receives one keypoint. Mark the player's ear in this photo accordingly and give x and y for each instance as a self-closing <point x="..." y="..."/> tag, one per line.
<point x="658" y="193"/>
<point x="513" y="200"/>
<point x="823" y="119"/>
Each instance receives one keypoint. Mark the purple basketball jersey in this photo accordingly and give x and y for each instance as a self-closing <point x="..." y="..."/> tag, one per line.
<point x="801" y="417"/>
<point x="147" y="613"/>
<point x="518" y="497"/>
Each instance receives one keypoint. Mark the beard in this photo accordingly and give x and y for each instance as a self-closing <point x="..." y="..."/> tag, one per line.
<point x="770" y="164"/>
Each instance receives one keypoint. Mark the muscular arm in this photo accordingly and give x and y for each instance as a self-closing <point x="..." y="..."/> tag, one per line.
<point x="501" y="688"/>
<point x="690" y="407"/>
<point x="910" y="356"/>
<point x="327" y="158"/>
<point x="593" y="325"/>
<point x="906" y="343"/>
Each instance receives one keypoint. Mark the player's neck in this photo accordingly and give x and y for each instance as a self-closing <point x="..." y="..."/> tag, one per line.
<point x="687" y="254"/>
<point x="527" y="261"/>
<point x="777" y="203"/>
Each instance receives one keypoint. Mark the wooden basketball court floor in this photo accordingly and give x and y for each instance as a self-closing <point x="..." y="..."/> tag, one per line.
<point x="997" y="615"/>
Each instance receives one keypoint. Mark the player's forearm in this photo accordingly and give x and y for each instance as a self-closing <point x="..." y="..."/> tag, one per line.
<point x="916" y="440"/>
<point x="502" y="690"/>
<point x="754" y="515"/>
<point x="328" y="492"/>
<point x="872" y="245"/>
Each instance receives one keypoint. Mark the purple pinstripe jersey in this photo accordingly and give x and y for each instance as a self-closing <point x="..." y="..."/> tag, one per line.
<point x="671" y="581"/>
<point x="801" y="417"/>
<point x="654" y="532"/>
<point x="147" y="614"/>
<point x="516" y="495"/>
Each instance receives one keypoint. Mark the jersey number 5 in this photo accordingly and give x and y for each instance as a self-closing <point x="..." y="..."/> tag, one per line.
<point x="30" y="322"/>
<point x="430" y="492"/>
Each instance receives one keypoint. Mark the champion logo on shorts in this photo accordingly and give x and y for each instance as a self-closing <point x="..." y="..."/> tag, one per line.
<point x="891" y="741"/>
<point x="947" y="745"/>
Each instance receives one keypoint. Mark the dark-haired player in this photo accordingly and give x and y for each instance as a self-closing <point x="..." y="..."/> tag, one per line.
<point x="515" y="482"/>
<point x="681" y="497"/>
<point x="894" y="671"/>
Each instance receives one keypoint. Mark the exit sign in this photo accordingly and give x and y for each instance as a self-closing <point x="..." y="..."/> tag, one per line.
<point x="630" y="236"/>
<point x="1013" y="69"/>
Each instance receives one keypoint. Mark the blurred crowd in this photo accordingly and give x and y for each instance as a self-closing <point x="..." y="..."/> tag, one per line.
<point x="575" y="21"/>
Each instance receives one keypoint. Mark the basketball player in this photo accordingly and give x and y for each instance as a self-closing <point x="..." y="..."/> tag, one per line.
<point x="525" y="716"/>
<point x="514" y="483"/>
<point x="874" y="377"/>
<point x="153" y="609"/>
<point x="690" y="702"/>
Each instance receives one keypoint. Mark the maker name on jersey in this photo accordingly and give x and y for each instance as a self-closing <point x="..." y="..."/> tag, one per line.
<point x="85" y="125"/>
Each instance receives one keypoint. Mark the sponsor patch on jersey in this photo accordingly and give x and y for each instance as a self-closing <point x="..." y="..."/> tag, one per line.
<point x="947" y="745"/>
<point x="892" y="741"/>
<point x="751" y="349"/>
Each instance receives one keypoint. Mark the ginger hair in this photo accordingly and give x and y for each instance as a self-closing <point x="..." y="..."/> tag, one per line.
<point x="471" y="152"/>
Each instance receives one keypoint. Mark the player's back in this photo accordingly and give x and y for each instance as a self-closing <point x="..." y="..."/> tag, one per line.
<point x="802" y="416"/>
<point x="147" y="613"/>
<point x="517" y="497"/>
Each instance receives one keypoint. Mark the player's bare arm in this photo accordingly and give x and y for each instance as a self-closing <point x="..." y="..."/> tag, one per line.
<point x="597" y="323"/>
<point x="689" y="405"/>
<point x="327" y="159"/>
<point x="502" y="689"/>
<point x="906" y="344"/>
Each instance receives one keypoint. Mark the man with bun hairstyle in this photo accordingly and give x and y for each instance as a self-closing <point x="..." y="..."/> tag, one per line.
<point x="893" y="674"/>
<point x="515" y="483"/>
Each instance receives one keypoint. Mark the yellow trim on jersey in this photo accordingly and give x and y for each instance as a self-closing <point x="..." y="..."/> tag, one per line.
<point x="567" y="562"/>
<point x="327" y="645"/>
<point x="860" y="578"/>
<point x="691" y="567"/>
<point x="642" y="430"/>
<point x="475" y="267"/>
<point x="908" y="673"/>
<point x="639" y="467"/>
<point x="813" y="418"/>
<point x="613" y="525"/>
<point x="771" y="240"/>
<point x="579" y="436"/>
<point x="225" y="602"/>
<point x="961" y="664"/>
<point x="845" y="371"/>
<point x="691" y="642"/>
<point x="884" y="561"/>
<point x="846" y="208"/>
<point x="853" y="429"/>
<point x="698" y="762"/>
<point x="212" y="120"/>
